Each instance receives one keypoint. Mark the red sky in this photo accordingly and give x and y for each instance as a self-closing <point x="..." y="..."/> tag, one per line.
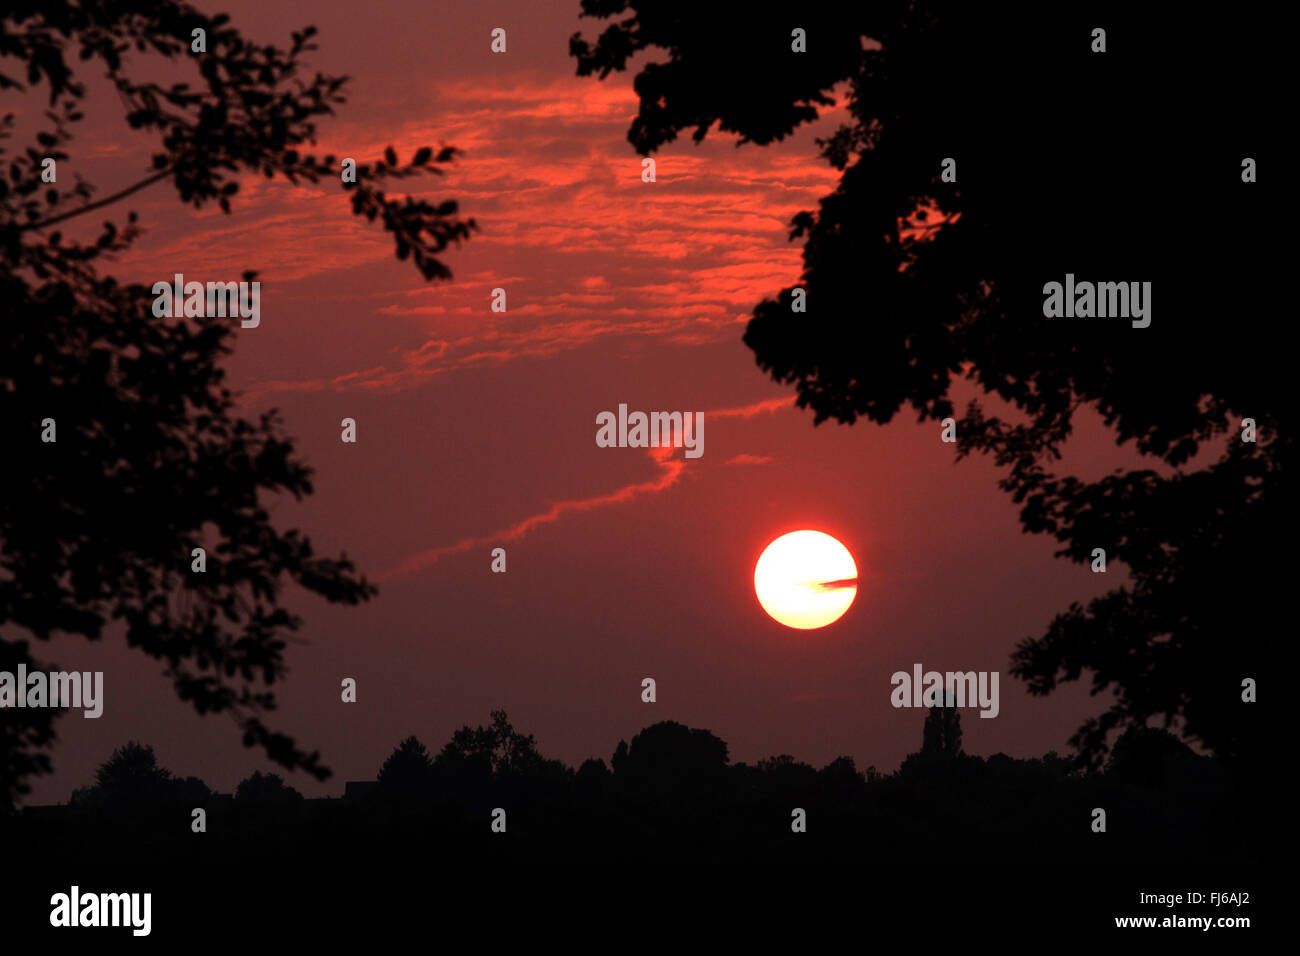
<point x="476" y="429"/>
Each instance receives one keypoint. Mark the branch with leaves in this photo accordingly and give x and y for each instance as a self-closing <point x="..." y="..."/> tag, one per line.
<point x="152" y="456"/>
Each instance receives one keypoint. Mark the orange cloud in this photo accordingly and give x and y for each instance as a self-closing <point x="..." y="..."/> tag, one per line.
<point x="583" y="247"/>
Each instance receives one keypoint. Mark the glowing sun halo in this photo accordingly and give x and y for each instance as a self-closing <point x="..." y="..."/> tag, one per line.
<point x="806" y="579"/>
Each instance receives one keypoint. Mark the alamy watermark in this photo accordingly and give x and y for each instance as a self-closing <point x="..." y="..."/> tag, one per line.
<point x="951" y="689"/>
<point x="215" y="300"/>
<point x="655" y="430"/>
<point x="56" y="689"/>
<point x="1098" y="300"/>
<point x="103" y="909"/>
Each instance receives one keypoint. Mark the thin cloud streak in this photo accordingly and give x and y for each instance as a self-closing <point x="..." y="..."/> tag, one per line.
<point x="670" y="469"/>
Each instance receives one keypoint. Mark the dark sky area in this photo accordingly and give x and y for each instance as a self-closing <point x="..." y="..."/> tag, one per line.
<point x="477" y="429"/>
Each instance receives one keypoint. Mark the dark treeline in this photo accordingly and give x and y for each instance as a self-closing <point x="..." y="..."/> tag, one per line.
<point x="672" y="796"/>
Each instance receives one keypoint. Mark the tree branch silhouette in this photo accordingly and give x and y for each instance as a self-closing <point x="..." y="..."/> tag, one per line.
<point x="99" y="204"/>
<point x="152" y="453"/>
<point x="892" y="324"/>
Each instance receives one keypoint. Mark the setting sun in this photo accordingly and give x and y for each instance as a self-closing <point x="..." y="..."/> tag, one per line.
<point x="806" y="579"/>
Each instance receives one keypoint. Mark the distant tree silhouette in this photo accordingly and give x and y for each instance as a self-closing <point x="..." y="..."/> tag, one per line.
<point x="189" y="790"/>
<point x="593" y="777"/>
<point x="497" y="750"/>
<point x="671" y="756"/>
<point x="677" y="791"/>
<point x="132" y="766"/>
<point x="618" y="760"/>
<point x="1151" y="757"/>
<point x="787" y="779"/>
<point x="784" y="765"/>
<point x="265" y="789"/>
<point x="919" y="288"/>
<point x="152" y="458"/>
<point x="941" y="736"/>
<point x="132" y="778"/>
<point x="841" y="777"/>
<point x="408" y="769"/>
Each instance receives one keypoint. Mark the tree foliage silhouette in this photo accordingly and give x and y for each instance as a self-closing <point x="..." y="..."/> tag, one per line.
<point x="132" y="779"/>
<point x="131" y="766"/>
<point x="941" y="736"/>
<point x="152" y="457"/>
<point x="497" y="750"/>
<point x="260" y="789"/>
<point x="919" y="290"/>
<point x="408" y="769"/>
<point x="668" y="756"/>
<point x="675" y="789"/>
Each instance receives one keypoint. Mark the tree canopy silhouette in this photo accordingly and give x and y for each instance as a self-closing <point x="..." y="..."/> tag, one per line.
<point x="497" y="750"/>
<point x="941" y="736"/>
<point x="261" y="789"/>
<point x="669" y="756"/>
<point x="675" y="789"/>
<point x="152" y="458"/>
<point x="408" y="769"/>
<point x="132" y="779"/>
<point x="919" y="290"/>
